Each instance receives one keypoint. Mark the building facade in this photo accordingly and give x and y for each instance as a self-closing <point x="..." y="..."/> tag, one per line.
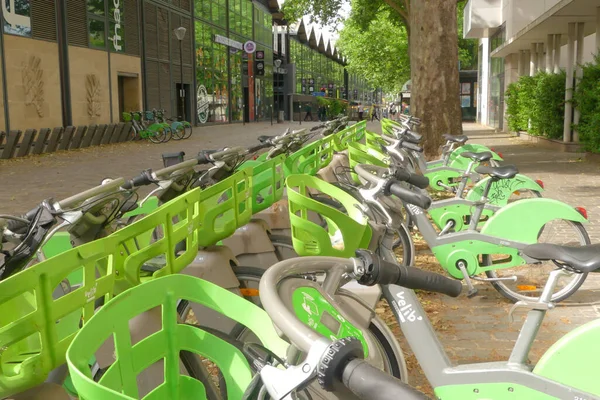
<point x="524" y="37"/>
<point x="83" y="62"/>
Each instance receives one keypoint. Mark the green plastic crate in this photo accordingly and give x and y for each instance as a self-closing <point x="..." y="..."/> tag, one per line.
<point x="224" y="207"/>
<point x="309" y="239"/>
<point x="361" y="154"/>
<point x="267" y="183"/>
<point x="311" y="158"/>
<point x="112" y="321"/>
<point x="36" y="325"/>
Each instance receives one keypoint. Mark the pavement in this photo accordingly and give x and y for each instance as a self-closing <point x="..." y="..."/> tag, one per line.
<point x="470" y="329"/>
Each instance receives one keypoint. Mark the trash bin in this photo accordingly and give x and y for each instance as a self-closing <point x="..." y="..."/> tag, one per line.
<point x="280" y="117"/>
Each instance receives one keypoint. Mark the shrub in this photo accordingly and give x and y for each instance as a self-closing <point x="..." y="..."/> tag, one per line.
<point x="536" y="104"/>
<point x="587" y="99"/>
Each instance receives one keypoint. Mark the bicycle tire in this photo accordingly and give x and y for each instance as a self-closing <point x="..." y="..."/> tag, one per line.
<point x="168" y="133"/>
<point x="157" y="137"/>
<point x="561" y="295"/>
<point x="178" y="132"/>
<point x="187" y="131"/>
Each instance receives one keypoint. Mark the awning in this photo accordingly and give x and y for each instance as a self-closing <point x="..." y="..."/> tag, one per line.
<point x="554" y="21"/>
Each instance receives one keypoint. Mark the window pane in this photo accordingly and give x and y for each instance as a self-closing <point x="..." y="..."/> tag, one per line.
<point x="96" y="7"/>
<point x="96" y="30"/>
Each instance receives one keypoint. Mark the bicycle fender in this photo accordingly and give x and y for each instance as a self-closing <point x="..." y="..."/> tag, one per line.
<point x="522" y="220"/>
<point x="564" y="361"/>
<point x="501" y="190"/>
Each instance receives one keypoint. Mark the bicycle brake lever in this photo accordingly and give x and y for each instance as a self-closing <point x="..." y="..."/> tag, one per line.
<point x="162" y="185"/>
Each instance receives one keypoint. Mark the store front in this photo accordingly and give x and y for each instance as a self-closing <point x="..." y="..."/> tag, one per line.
<point x="234" y="58"/>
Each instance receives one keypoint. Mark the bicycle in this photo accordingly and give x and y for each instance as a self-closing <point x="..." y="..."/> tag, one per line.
<point x="496" y="248"/>
<point x="181" y="129"/>
<point x="562" y="372"/>
<point x="156" y="133"/>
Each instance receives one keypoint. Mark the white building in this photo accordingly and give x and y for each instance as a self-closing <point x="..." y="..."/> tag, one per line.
<point x="522" y="37"/>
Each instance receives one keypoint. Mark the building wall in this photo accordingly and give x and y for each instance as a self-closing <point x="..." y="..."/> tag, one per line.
<point x="126" y="65"/>
<point x="32" y="63"/>
<point x="90" y="102"/>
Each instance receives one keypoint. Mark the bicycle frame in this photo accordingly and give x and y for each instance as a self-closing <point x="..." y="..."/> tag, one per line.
<point x="498" y="380"/>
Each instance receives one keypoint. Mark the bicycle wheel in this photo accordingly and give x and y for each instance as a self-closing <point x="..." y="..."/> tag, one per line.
<point x="393" y="360"/>
<point x="187" y="128"/>
<point x="193" y="367"/>
<point x="168" y="133"/>
<point x="157" y="136"/>
<point x="178" y="131"/>
<point x="532" y="278"/>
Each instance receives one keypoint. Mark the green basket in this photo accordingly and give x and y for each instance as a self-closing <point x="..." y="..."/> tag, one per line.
<point x="361" y="154"/>
<point x="374" y="141"/>
<point x="224" y="207"/>
<point x="267" y="183"/>
<point x="112" y="322"/>
<point x="37" y="325"/>
<point x="345" y="136"/>
<point x="311" y="239"/>
<point x="361" y="128"/>
<point x="387" y="125"/>
<point x="311" y="158"/>
<point x="127" y="117"/>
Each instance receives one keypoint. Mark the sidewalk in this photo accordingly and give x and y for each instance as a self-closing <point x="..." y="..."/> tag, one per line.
<point x="27" y="181"/>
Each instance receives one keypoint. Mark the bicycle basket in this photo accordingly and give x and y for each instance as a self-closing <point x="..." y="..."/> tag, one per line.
<point x="162" y="348"/>
<point x="42" y="307"/>
<point x="311" y="158"/>
<point x="343" y="137"/>
<point x="127" y="117"/>
<point x="340" y="235"/>
<point x="224" y="207"/>
<point x="361" y="154"/>
<point x="149" y="115"/>
<point x="267" y="183"/>
<point x="374" y="141"/>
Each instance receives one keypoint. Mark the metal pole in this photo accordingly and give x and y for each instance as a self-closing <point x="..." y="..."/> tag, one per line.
<point x="578" y="75"/>
<point x="569" y="83"/>
<point x="300" y="112"/>
<point x="182" y="90"/>
<point x="271" y="114"/>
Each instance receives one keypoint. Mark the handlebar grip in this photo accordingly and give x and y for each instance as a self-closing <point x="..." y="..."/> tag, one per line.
<point x="420" y="181"/>
<point x="316" y="128"/>
<point x="418" y="199"/>
<point x="143" y="179"/>
<point x="414" y="135"/>
<point x="412" y="146"/>
<point x="265" y="138"/>
<point x="369" y="383"/>
<point x="415" y="278"/>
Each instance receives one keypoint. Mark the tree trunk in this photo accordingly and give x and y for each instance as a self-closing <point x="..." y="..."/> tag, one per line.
<point x="434" y="70"/>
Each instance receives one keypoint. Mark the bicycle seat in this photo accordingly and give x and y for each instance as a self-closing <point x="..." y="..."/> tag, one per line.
<point x="503" y="172"/>
<point x="483" y="156"/>
<point x="455" y="138"/>
<point x="265" y="138"/>
<point x="580" y="258"/>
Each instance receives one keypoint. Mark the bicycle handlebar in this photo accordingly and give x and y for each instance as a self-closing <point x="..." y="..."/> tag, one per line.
<point x="420" y="181"/>
<point x="392" y="186"/>
<point x="112" y="185"/>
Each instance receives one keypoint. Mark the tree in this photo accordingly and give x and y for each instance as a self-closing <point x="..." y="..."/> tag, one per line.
<point x="432" y="30"/>
<point x="379" y="52"/>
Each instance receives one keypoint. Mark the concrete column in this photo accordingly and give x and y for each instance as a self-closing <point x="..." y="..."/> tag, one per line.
<point x="569" y="82"/>
<point x="521" y="67"/>
<point x="533" y="59"/>
<point x="526" y="61"/>
<point x="549" y="49"/>
<point x="557" y="48"/>
<point x="578" y="73"/>
<point x="540" y="54"/>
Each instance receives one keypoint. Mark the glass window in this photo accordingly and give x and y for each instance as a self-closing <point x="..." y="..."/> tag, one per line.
<point x="17" y="12"/>
<point x="96" y="30"/>
<point x="96" y="7"/>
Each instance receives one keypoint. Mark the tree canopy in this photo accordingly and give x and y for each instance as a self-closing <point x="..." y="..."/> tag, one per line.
<point x="378" y="51"/>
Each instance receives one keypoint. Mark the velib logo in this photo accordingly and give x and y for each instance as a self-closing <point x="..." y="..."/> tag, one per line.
<point x="203" y="104"/>
<point x="414" y="209"/>
<point x="116" y="39"/>
<point x="405" y="310"/>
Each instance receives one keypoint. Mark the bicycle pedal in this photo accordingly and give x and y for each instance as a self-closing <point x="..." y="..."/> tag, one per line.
<point x="472" y="293"/>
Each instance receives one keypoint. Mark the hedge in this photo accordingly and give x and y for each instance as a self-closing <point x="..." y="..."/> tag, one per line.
<point x="536" y="104"/>
<point x="334" y="107"/>
<point x="587" y="99"/>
